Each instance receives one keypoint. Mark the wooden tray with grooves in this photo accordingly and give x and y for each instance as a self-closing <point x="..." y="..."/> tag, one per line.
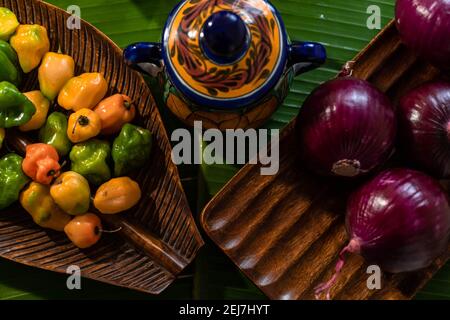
<point x="158" y="238"/>
<point x="286" y="234"/>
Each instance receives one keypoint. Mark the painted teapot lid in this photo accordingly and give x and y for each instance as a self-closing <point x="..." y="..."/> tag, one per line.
<point x="225" y="53"/>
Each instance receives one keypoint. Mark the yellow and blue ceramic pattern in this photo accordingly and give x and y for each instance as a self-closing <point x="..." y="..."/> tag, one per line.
<point x="238" y="79"/>
<point x="228" y="63"/>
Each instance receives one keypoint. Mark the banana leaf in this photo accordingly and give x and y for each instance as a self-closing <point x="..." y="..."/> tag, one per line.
<point x="339" y="24"/>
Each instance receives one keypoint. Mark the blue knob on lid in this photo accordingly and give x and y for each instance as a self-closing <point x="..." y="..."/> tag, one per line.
<point x="224" y="37"/>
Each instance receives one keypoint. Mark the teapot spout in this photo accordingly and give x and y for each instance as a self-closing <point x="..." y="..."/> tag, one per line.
<point x="306" y="56"/>
<point x="146" y="57"/>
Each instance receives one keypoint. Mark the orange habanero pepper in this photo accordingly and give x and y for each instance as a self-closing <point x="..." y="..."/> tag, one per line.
<point x="117" y="195"/>
<point x="41" y="163"/>
<point x="114" y="112"/>
<point x="84" y="91"/>
<point x="84" y="231"/>
<point x="42" y="106"/>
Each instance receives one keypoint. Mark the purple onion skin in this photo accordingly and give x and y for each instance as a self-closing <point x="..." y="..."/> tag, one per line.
<point x="424" y="26"/>
<point x="400" y="219"/>
<point x="346" y="128"/>
<point x="424" y="122"/>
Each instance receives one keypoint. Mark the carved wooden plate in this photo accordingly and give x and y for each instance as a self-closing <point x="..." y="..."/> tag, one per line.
<point x="159" y="237"/>
<point x="286" y="234"/>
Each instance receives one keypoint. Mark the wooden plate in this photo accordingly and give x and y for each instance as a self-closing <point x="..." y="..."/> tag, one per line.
<point x="285" y="234"/>
<point x="159" y="235"/>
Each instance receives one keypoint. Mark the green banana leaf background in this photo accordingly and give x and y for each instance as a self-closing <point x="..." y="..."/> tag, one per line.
<point x="341" y="25"/>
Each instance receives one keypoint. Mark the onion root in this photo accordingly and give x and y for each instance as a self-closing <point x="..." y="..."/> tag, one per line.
<point x="352" y="247"/>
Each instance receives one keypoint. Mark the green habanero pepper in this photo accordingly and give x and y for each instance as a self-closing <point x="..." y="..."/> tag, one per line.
<point x="15" y="108"/>
<point x="54" y="133"/>
<point x="6" y="48"/>
<point x="12" y="179"/>
<point x="90" y="160"/>
<point x="131" y="149"/>
<point x="9" y="70"/>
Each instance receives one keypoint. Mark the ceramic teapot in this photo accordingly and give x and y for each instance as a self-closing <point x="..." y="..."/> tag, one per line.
<point x="227" y="63"/>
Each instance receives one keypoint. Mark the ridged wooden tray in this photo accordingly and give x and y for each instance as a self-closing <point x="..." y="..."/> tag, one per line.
<point x="159" y="236"/>
<point x="286" y="233"/>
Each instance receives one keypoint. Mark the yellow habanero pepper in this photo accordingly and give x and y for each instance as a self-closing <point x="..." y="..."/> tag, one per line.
<point x="84" y="91"/>
<point x="30" y="43"/>
<point x="37" y="201"/>
<point x="83" y="125"/>
<point x="71" y="193"/>
<point x="8" y="23"/>
<point x="42" y="105"/>
<point x="117" y="195"/>
<point x="56" y="69"/>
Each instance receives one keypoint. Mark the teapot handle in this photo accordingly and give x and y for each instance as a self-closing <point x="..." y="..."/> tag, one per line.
<point x="140" y="53"/>
<point x="306" y="56"/>
<point x="303" y="56"/>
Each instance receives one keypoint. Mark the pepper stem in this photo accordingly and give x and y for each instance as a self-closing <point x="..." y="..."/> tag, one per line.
<point x="112" y="231"/>
<point x="82" y="121"/>
<point x="64" y="163"/>
<point x="127" y="104"/>
<point x="352" y="247"/>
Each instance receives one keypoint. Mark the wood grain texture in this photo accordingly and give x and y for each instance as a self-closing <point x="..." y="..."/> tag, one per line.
<point x="286" y="234"/>
<point x="160" y="237"/>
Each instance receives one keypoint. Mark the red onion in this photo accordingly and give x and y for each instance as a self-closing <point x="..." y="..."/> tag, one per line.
<point x="399" y="221"/>
<point x="424" y="118"/>
<point x="424" y="25"/>
<point x="346" y="128"/>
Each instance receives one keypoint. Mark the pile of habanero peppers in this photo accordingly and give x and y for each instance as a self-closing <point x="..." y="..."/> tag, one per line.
<point x="76" y="135"/>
